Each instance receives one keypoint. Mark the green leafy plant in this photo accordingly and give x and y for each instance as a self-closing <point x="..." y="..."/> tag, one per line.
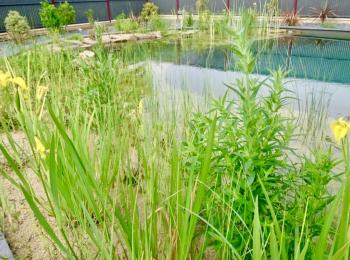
<point x="55" y="18"/>
<point x="17" y="26"/>
<point x="66" y="13"/>
<point x="149" y="9"/>
<point x="49" y="16"/>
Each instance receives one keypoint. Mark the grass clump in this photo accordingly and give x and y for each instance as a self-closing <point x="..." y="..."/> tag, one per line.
<point x="125" y="24"/>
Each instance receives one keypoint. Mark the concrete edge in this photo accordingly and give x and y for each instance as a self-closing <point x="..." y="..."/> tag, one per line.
<point x="5" y="251"/>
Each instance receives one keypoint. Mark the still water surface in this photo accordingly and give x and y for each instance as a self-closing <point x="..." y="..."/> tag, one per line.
<point x="318" y="70"/>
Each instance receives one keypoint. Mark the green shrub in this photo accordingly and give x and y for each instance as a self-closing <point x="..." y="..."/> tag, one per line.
<point x="66" y="13"/>
<point x="49" y="16"/>
<point x="17" y="26"/>
<point x="149" y="10"/>
<point x="54" y="18"/>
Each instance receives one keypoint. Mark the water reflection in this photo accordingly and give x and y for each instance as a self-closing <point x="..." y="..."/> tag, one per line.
<point x="316" y="69"/>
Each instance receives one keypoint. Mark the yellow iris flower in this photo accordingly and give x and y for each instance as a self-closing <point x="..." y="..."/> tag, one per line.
<point x="40" y="148"/>
<point x="19" y="82"/>
<point x="6" y="79"/>
<point x="340" y="129"/>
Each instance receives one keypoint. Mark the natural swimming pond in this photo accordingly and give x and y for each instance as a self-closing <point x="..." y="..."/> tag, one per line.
<point x="318" y="69"/>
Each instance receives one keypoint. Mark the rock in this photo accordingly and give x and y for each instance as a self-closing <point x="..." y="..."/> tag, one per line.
<point x="86" y="55"/>
<point x="89" y="42"/>
<point x="106" y="39"/>
<point x="132" y="38"/>
<point x="157" y="35"/>
<point x="148" y="36"/>
<point x="189" y="32"/>
<point x="55" y="48"/>
<point x="5" y="252"/>
<point x="73" y="42"/>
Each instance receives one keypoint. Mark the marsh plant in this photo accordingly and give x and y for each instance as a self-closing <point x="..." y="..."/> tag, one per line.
<point x="123" y="178"/>
<point x="89" y="14"/>
<point x="188" y="21"/>
<point x="126" y="24"/>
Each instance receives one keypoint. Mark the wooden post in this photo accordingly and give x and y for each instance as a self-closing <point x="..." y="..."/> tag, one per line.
<point x="177" y="8"/>
<point x="108" y="2"/>
<point x="295" y="7"/>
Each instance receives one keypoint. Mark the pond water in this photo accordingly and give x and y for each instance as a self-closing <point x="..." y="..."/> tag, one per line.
<point x="318" y="70"/>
